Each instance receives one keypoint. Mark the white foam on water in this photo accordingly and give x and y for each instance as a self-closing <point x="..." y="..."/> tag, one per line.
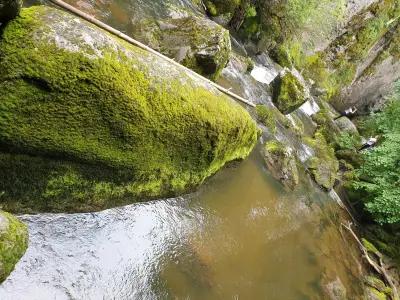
<point x="263" y="75"/>
<point x="310" y="107"/>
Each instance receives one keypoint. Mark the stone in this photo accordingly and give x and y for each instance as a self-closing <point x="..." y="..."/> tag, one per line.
<point x="282" y="163"/>
<point x="335" y="290"/>
<point x="195" y="42"/>
<point x="324" y="165"/>
<point x="346" y="125"/>
<point x="13" y="243"/>
<point x="289" y="91"/>
<point x="90" y="121"/>
<point x="9" y="9"/>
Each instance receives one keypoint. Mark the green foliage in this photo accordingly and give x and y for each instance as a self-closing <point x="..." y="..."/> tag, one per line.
<point x="379" y="175"/>
<point x="275" y="147"/>
<point x="86" y="132"/>
<point x="13" y="243"/>
<point x="348" y="141"/>
<point x="369" y="246"/>
<point x="220" y="7"/>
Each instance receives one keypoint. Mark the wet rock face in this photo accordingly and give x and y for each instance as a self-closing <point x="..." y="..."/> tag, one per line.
<point x="195" y="42"/>
<point x="9" y="9"/>
<point x="376" y="73"/>
<point x="90" y="121"/>
<point x="289" y="91"/>
<point x="13" y="243"/>
<point x="282" y="163"/>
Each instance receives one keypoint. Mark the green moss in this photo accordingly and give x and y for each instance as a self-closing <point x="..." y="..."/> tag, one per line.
<point x="13" y="243"/>
<point x="298" y="126"/>
<point x="193" y="41"/>
<point x="369" y="246"/>
<point x="202" y="38"/>
<point x="96" y="131"/>
<point x="281" y="163"/>
<point x="267" y="117"/>
<point x="377" y="294"/>
<point x="275" y="147"/>
<point x="220" y="7"/>
<point x="250" y="64"/>
<point x="288" y="93"/>
<point x="211" y="8"/>
<point x="378" y="284"/>
<point x="324" y="166"/>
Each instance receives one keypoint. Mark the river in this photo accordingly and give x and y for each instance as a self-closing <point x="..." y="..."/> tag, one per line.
<point x="239" y="236"/>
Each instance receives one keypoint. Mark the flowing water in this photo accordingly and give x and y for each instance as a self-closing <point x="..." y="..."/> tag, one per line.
<point x="240" y="236"/>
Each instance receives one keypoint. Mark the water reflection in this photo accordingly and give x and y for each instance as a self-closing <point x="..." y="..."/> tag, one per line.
<point x="241" y="235"/>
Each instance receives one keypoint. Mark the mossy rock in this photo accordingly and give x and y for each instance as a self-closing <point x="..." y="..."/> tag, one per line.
<point x="289" y="92"/>
<point x="377" y="284"/>
<point x="267" y="117"/>
<point x="373" y="294"/>
<point x="324" y="166"/>
<point x="282" y="163"/>
<point x="346" y="125"/>
<point x="13" y="243"/>
<point x="195" y="42"/>
<point x="88" y="121"/>
<point x="220" y="7"/>
<point x="9" y="9"/>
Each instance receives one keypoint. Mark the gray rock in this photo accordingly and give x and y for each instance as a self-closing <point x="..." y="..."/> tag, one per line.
<point x="196" y="42"/>
<point x="345" y="124"/>
<point x="282" y="163"/>
<point x="335" y="290"/>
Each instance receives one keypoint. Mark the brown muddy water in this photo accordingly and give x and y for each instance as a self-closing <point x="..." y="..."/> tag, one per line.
<point x="241" y="236"/>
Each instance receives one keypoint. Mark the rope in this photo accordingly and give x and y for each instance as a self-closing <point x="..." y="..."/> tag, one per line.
<point x="127" y="38"/>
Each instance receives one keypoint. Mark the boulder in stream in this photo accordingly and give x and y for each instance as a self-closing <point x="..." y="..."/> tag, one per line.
<point x="9" y="9"/>
<point x="13" y="243"/>
<point x="289" y="91"/>
<point x="197" y="43"/>
<point x="282" y="163"/>
<point x="324" y="165"/>
<point x="88" y="121"/>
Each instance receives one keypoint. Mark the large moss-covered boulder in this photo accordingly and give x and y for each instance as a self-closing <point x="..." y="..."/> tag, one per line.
<point x="193" y="41"/>
<point x="88" y="121"/>
<point x="9" y="9"/>
<point x="289" y="91"/>
<point x="13" y="243"/>
<point x="282" y="163"/>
